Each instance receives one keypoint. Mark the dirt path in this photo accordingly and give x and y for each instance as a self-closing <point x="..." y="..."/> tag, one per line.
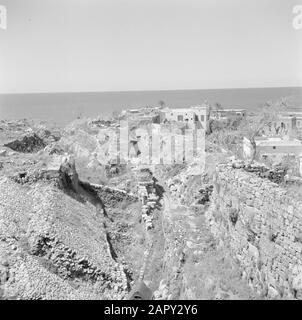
<point x="154" y="262"/>
<point x="194" y="266"/>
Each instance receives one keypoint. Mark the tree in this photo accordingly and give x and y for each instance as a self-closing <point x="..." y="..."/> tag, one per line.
<point x="161" y="103"/>
<point x="214" y="108"/>
<point x="115" y="115"/>
<point x="218" y="106"/>
<point x="264" y="117"/>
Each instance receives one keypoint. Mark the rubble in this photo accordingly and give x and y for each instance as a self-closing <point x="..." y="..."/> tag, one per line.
<point x="205" y="194"/>
<point x="276" y="174"/>
<point x="27" y="136"/>
<point x="28" y="143"/>
<point x="67" y="242"/>
<point x="37" y="229"/>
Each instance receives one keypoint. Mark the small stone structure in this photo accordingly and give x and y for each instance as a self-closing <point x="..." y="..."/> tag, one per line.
<point x="148" y="196"/>
<point x="149" y="200"/>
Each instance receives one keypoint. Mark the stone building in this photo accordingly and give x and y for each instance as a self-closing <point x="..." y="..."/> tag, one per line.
<point x="224" y="114"/>
<point x="193" y="116"/>
<point x="274" y="148"/>
<point x="288" y="123"/>
<point x="296" y="117"/>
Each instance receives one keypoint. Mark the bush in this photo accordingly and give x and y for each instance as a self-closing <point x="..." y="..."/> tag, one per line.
<point x="49" y="265"/>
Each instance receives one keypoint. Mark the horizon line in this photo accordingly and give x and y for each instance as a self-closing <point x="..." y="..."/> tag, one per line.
<point x="149" y="90"/>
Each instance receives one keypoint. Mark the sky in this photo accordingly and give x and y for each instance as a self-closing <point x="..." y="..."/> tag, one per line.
<point x="121" y="45"/>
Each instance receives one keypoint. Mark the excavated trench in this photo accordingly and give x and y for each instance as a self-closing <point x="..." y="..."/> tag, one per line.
<point x="176" y="259"/>
<point x="166" y="257"/>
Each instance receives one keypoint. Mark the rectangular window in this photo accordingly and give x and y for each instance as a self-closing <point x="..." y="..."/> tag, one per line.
<point x="180" y="118"/>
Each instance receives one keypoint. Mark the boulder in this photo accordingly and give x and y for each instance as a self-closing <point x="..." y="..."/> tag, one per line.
<point x="273" y="293"/>
<point x="29" y="143"/>
<point x="69" y="175"/>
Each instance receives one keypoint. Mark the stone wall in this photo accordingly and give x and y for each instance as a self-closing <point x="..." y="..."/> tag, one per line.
<point x="262" y="225"/>
<point x="112" y="197"/>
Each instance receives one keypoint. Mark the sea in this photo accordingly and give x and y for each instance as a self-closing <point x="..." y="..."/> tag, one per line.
<point x="62" y="108"/>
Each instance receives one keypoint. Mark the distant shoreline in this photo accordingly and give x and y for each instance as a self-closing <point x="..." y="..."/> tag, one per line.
<point x="63" y="108"/>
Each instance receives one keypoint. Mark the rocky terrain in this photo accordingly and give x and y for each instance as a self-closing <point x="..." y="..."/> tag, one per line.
<point x="58" y="234"/>
<point x="75" y="224"/>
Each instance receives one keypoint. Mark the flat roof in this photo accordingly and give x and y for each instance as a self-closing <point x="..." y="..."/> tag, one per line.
<point x="274" y="141"/>
<point x="286" y="116"/>
<point x="201" y="106"/>
<point x="189" y="109"/>
<point x="291" y="113"/>
<point x="233" y="109"/>
<point x="180" y="110"/>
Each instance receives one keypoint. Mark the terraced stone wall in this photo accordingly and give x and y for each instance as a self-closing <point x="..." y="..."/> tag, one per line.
<point x="262" y="224"/>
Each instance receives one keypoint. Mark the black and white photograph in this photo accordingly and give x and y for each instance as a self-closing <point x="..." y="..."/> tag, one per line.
<point x="150" y="150"/>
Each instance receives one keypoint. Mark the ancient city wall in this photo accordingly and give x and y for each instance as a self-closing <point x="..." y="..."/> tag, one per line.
<point x="262" y="225"/>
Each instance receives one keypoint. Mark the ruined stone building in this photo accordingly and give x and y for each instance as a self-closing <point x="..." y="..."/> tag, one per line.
<point x="145" y="114"/>
<point x="274" y="148"/>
